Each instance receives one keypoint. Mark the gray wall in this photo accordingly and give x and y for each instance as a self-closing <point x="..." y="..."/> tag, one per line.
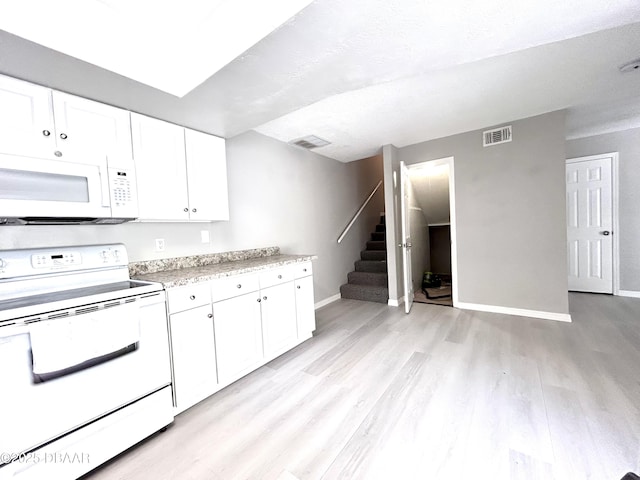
<point x="278" y="195"/>
<point x="627" y="144"/>
<point x="510" y="207"/>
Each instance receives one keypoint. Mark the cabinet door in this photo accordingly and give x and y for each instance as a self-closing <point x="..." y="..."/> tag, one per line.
<point x="26" y="119"/>
<point x="238" y="334"/>
<point x="86" y="128"/>
<point x="194" y="357"/>
<point x="207" y="176"/>
<point x="279" y="330"/>
<point x="158" y="152"/>
<point x="305" y="308"/>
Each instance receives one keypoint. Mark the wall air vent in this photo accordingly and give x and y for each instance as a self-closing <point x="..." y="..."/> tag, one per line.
<point x="309" y="142"/>
<point x="496" y="136"/>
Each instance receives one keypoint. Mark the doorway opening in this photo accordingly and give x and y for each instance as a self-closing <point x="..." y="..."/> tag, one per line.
<point x="428" y="220"/>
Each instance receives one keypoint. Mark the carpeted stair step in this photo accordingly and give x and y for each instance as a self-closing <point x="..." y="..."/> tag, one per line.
<point x="373" y="255"/>
<point x="368" y="293"/>
<point x="371" y="266"/>
<point x="376" y="245"/>
<point x="378" y="236"/>
<point x="381" y="227"/>
<point x="367" y="278"/>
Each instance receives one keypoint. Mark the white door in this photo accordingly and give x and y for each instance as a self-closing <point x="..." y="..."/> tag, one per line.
<point x="194" y="356"/>
<point x="207" y="176"/>
<point x="158" y="150"/>
<point x="238" y="334"/>
<point x="589" y="225"/>
<point x="305" y="312"/>
<point x="279" y="328"/>
<point x="86" y="127"/>
<point x="406" y="236"/>
<point x="26" y="119"/>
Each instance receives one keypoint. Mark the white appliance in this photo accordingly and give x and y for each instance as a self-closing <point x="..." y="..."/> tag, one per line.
<point x="84" y="353"/>
<point x="43" y="191"/>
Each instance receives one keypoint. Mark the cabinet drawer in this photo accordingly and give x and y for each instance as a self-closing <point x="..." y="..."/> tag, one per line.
<point x="190" y="296"/>
<point x="275" y="276"/>
<point x="303" y="269"/>
<point x="229" y="287"/>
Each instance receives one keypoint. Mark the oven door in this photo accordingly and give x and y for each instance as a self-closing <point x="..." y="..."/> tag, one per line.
<point x="34" y="187"/>
<point x="35" y="408"/>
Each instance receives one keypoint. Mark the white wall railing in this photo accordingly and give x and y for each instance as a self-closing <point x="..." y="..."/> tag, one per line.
<point x="355" y="217"/>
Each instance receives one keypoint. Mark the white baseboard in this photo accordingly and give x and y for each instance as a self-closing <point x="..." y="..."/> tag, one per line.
<point x="521" y="312"/>
<point x="395" y="303"/>
<point x="327" y="301"/>
<point x="628" y="293"/>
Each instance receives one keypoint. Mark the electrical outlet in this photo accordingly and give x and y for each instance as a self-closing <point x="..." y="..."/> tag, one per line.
<point x="159" y="244"/>
<point x="204" y="236"/>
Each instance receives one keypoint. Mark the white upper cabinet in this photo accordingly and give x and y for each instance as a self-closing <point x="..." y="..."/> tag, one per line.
<point x="206" y="176"/>
<point x="87" y="127"/>
<point x="39" y="122"/>
<point x="182" y="174"/>
<point x="159" y="155"/>
<point x="26" y="119"/>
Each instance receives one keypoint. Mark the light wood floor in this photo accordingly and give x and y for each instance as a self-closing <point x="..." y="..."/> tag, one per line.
<point x="438" y="394"/>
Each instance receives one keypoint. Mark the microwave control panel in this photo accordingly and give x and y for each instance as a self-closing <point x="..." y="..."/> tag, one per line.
<point x="122" y="186"/>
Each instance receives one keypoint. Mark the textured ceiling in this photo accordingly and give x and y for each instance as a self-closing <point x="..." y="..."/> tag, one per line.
<point x="365" y="73"/>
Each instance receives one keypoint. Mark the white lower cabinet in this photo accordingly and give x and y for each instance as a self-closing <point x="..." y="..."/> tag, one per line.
<point x="279" y="329"/>
<point x="194" y="356"/>
<point x="305" y="311"/>
<point x="238" y="334"/>
<point x="227" y="327"/>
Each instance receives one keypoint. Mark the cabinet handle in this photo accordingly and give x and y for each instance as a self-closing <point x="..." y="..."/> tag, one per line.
<point x="46" y="133"/>
<point x="298" y="287"/>
<point x="259" y="300"/>
<point x="210" y="315"/>
<point x="192" y="297"/>
<point x="194" y="210"/>
<point x="63" y="136"/>
<point x="304" y="269"/>
<point x="279" y="277"/>
<point x="239" y="285"/>
<point x="57" y="153"/>
<point x="264" y="298"/>
<point x="186" y="209"/>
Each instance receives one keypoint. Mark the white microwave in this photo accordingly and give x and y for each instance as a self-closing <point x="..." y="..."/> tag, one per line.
<point x="43" y="191"/>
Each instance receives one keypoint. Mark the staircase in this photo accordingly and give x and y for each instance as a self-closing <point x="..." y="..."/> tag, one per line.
<point x="369" y="280"/>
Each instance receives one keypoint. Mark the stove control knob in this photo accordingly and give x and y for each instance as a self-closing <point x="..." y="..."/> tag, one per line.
<point x="2" y="263"/>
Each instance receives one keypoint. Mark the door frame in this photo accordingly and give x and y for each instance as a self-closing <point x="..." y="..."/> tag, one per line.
<point x="614" y="210"/>
<point x="450" y="161"/>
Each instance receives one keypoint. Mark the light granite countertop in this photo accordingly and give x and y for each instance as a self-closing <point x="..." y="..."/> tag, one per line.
<point x="190" y="275"/>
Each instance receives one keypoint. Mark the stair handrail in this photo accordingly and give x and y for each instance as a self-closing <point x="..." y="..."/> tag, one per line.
<point x="355" y="217"/>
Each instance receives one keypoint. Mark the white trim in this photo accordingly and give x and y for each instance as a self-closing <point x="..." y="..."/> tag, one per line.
<point x="615" y="205"/>
<point x="327" y="301"/>
<point x="628" y="293"/>
<point x="521" y="312"/>
<point x="395" y="303"/>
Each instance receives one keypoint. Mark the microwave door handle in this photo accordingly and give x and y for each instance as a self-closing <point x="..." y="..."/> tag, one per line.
<point x="104" y="185"/>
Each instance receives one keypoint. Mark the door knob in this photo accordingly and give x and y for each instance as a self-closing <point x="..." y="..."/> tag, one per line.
<point x="605" y="233"/>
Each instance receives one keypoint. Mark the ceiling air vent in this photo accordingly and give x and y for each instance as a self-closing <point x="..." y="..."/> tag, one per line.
<point x="496" y="136"/>
<point x="309" y="142"/>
